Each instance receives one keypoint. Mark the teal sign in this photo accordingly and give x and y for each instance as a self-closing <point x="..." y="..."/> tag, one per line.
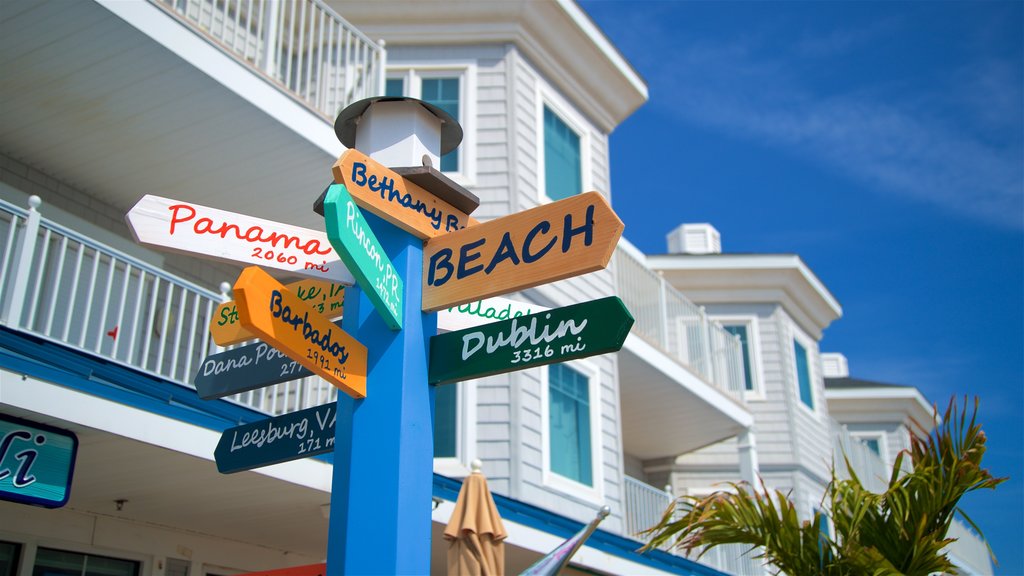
<point x="36" y="462"/>
<point x="352" y="238"/>
<point x="279" y="439"/>
<point x="557" y="335"/>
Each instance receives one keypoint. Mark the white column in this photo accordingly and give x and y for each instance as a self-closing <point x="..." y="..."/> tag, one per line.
<point x="749" y="469"/>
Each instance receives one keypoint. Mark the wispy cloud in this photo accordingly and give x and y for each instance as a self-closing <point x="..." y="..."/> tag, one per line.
<point x="960" y="150"/>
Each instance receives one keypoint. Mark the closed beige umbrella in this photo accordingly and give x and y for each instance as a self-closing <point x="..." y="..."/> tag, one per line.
<point x="475" y="533"/>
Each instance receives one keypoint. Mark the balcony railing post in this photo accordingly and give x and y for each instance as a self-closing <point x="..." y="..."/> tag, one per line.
<point x="707" y="359"/>
<point x="23" y="267"/>
<point x="272" y="10"/>
<point x="663" y="311"/>
<point x="382" y="72"/>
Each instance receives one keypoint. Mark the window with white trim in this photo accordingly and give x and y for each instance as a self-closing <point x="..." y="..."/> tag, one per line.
<point x="802" y="363"/>
<point x="445" y="88"/>
<point x="563" y="156"/>
<point x="746" y="330"/>
<point x="571" y="429"/>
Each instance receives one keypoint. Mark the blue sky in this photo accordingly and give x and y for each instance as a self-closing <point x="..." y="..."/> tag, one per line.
<point x="883" y="142"/>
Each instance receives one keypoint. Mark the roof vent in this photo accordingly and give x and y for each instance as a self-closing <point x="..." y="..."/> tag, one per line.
<point x="834" y="365"/>
<point x="694" y="239"/>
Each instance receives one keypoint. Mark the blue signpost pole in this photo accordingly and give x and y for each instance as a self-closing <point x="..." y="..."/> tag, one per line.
<point x="383" y="462"/>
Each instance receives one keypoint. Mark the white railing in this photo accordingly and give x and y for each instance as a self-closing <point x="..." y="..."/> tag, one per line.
<point x="643" y="504"/>
<point x="871" y="470"/>
<point x="667" y="319"/>
<point x="736" y="559"/>
<point x="969" y="551"/>
<point x="302" y="45"/>
<point x="58" y="284"/>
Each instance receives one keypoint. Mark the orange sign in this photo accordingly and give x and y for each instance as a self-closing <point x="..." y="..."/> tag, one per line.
<point x="566" y="238"/>
<point x="280" y="318"/>
<point x="395" y="199"/>
<point x="307" y="570"/>
<point x="326" y="298"/>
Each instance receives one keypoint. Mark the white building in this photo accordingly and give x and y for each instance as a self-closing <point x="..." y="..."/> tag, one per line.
<point x="230" y="104"/>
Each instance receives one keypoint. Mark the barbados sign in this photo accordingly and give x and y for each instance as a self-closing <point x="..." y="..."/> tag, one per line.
<point x="243" y="369"/>
<point x="557" y="335"/>
<point x="36" y="462"/>
<point x="396" y="199"/>
<point x="195" y="229"/>
<point x="352" y="237"/>
<point x="326" y="298"/>
<point x="544" y="244"/>
<point x="281" y="319"/>
<point x="279" y="439"/>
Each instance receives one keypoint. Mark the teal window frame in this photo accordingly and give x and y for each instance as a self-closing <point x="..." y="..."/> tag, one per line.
<point x="803" y="374"/>
<point x="563" y="156"/>
<point x="442" y="89"/>
<point x="747" y="350"/>
<point x="570" y="437"/>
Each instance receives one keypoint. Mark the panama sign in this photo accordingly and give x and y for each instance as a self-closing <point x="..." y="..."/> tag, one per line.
<point x="278" y="317"/>
<point x="279" y="439"/>
<point x="245" y="368"/>
<point x="396" y="199"/>
<point x="324" y="297"/>
<point x="236" y="238"/>
<point x="355" y="242"/>
<point x="37" y="462"/>
<point x="553" y="241"/>
<point x="557" y="335"/>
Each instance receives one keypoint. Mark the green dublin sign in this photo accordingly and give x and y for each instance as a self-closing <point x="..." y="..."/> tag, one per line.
<point x="557" y="335"/>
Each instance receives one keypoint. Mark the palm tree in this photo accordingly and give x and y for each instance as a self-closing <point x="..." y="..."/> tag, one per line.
<point x="900" y="531"/>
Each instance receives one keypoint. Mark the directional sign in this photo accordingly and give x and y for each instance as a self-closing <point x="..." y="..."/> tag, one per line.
<point x="326" y="298"/>
<point x="352" y="237"/>
<point x="279" y="439"/>
<point x="483" y="312"/>
<point x="243" y="369"/>
<point x="37" y="462"/>
<point x="557" y="335"/>
<point x="396" y="199"/>
<point x="236" y="238"/>
<point x="544" y="244"/>
<point x="281" y="319"/>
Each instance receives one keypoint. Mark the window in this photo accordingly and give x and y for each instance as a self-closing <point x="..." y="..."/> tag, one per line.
<point x="446" y="401"/>
<point x="569" y="424"/>
<point x="444" y="89"/>
<point x="742" y="332"/>
<point x="51" y="562"/>
<point x="9" y="553"/>
<point x="803" y="374"/>
<point x="872" y="444"/>
<point x="563" y="167"/>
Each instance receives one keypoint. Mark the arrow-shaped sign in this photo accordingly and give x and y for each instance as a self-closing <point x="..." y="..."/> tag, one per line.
<point x="279" y="439"/>
<point x="396" y="199"/>
<point x="278" y="317"/>
<point x="185" y="227"/>
<point x="557" y="335"/>
<point x="359" y="249"/>
<point x="484" y="311"/>
<point x="326" y="298"/>
<point x="566" y="238"/>
<point x="243" y="369"/>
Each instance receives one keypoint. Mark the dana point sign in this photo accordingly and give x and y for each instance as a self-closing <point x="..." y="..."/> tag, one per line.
<point x="326" y="298"/>
<point x="559" y="240"/>
<point x="278" y="317"/>
<point x="221" y="235"/>
<point x="396" y="199"/>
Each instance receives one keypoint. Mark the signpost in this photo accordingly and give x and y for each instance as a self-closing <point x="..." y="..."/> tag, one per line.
<point x="37" y="462"/>
<point x="266" y="308"/>
<point x="566" y="238"/>
<point x="212" y="233"/>
<point x="243" y="369"/>
<point x="326" y="298"/>
<point x="355" y="242"/>
<point x="483" y="311"/>
<point x="557" y="335"/>
<point x="279" y="439"/>
<point x="396" y="199"/>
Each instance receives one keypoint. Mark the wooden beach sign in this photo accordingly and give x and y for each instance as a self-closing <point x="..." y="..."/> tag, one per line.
<point x="557" y="335"/>
<point x="553" y="241"/>
<point x="326" y="298"/>
<point x="278" y="317"/>
<point x="401" y="202"/>
<point x="359" y="249"/>
<point x="208" y="232"/>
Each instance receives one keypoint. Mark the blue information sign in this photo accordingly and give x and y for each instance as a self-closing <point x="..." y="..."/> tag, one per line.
<point x="36" y="462"/>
